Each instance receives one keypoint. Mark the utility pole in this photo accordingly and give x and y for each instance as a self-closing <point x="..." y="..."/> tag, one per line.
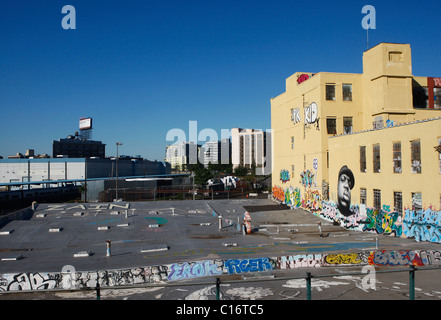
<point x="116" y="181"/>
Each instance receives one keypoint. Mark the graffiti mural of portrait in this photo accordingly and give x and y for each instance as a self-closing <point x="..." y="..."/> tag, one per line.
<point x="346" y="182"/>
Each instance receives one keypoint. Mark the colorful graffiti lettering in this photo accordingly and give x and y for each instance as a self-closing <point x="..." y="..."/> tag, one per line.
<point x="312" y="201"/>
<point x="395" y="258"/>
<point x="307" y="178"/>
<point x="330" y="212"/>
<point x="382" y="222"/>
<point x="194" y="270"/>
<point x="287" y="197"/>
<point x="284" y="175"/>
<point x="235" y="266"/>
<point x="296" y="200"/>
<point x="423" y="225"/>
<point x="346" y="258"/>
<point x="208" y="268"/>
<point x="303" y="77"/>
<point x="278" y="194"/>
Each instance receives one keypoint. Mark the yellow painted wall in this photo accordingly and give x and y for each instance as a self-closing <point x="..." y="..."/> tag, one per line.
<point x="345" y="151"/>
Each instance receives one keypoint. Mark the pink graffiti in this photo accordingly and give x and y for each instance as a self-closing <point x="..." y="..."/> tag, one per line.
<point x="303" y="77"/>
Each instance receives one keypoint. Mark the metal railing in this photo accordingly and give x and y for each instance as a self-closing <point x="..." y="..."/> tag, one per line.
<point x="217" y="283"/>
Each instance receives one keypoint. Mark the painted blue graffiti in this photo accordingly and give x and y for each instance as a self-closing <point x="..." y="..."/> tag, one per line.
<point x="235" y="266"/>
<point x="423" y="225"/>
<point x="193" y="270"/>
<point x="284" y="175"/>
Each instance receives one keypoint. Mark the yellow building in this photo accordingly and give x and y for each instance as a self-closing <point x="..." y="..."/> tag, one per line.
<point x="376" y="136"/>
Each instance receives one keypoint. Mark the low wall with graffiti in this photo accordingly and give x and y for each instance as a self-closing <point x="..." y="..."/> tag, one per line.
<point x="71" y="279"/>
<point x="421" y="225"/>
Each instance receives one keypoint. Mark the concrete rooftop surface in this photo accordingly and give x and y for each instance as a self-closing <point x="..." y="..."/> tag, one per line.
<point x="163" y="232"/>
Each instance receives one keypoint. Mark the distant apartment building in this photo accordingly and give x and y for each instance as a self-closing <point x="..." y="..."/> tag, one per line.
<point x="179" y="155"/>
<point x="363" y="150"/>
<point x="251" y="147"/>
<point x="216" y="152"/>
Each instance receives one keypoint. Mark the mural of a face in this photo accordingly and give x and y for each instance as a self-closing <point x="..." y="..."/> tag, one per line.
<point x="345" y="184"/>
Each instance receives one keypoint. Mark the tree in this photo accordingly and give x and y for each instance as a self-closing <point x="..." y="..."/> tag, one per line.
<point x="241" y="171"/>
<point x="202" y="175"/>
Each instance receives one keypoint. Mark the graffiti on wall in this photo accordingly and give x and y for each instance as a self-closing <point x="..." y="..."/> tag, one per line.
<point x="382" y="222"/>
<point x="29" y="281"/>
<point x="182" y="271"/>
<point x="295" y="115"/>
<point x="303" y="77"/>
<point x="347" y="258"/>
<point x="299" y="261"/>
<point x="307" y="178"/>
<point x="278" y="194"/>
<point x="422" y="225"/>
<point x="236" y="266"/>
<point x="289" y="196"/>
<point x="209" y="268"/>
<point x="395" y="258"/>
<point x="78" y="280"/>
<point x="296" y="199"/>
<point x="311" y="114"/>
<point x="284" y="175"/>
<point x="330" y="212"/>
<point x="312" y="200"/>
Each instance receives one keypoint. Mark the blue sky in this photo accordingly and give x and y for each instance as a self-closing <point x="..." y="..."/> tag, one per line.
<point x="142" y="68"/>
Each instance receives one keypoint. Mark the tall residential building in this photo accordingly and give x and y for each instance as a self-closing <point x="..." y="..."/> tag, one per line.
<point x="362" y="150"/>
<point x="182" y="154"/>
<point x="251" y="146"/>
<point x="217" y="152"/>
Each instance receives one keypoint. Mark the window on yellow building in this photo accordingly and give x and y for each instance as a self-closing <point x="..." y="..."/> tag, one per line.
<point x="363" y="196"/>
<point x="347" y="92"/>
<point x="376" y="157"/>
<point x="415" y="155"/>
<point x="417" y="201"/>
<point x="347" y="125"/>
<point x="377" y="199"/>
<point x="292" y="143"/>
<point x="292" y="171"/>
<point x="398" y="202"/>
<point x="420" y="96"/>
<point x="331" y="125"/>
<point x="330" y="92"/>
<point x="362" y="158"/>
<point x="397" y="157"/>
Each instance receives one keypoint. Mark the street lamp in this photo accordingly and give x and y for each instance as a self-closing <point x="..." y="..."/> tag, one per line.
<point x="116" y="182"/>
